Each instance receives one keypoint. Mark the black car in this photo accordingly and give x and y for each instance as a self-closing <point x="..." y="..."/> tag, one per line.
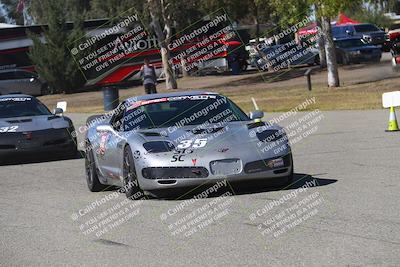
<point x="29" y="129"/>
<point x="355" y="50"/>
<point x="366" y="31"/>
<point x="19" y="80"/>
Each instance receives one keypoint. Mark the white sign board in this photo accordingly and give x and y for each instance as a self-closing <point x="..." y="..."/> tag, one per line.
<point x="62" y="105"/>
<point x="391" y="99"/>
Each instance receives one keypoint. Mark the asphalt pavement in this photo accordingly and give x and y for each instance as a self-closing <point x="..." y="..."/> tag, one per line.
<point x="343" y="210"/>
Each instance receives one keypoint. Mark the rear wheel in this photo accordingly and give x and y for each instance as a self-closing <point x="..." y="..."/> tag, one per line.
<point x="92" y="177"/>
<point x="131" y="184"/>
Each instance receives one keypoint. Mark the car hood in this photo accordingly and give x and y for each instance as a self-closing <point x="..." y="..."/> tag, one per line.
<point x="235" y="139"/>
<point x="35" y="123"/>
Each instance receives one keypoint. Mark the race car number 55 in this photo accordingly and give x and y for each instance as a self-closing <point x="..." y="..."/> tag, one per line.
<point x="11" y="129"/>
<point x="198" y="143"/>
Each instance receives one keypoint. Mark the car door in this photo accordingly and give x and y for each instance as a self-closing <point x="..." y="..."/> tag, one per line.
<point x="111" y="147"/>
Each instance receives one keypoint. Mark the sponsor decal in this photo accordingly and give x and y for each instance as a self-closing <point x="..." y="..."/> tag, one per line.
<point x="11" y="129"/>
<point x="194" y="161"/>
<point x="146" y="102"/>
<point x="198" y="143"/>
<point x="136" y="154"/>
<point x="17" y="99"/>
<point x="103" y="143"/>
<point x="165" y="99"/>
<point x="192" y="97"/>
<point x="179" y="154"/>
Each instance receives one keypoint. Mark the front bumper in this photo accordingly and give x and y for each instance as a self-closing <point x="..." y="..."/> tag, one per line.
<point x="36" y="143"/>
<point x="159" y="178"/>
<point x="365" y="57"/>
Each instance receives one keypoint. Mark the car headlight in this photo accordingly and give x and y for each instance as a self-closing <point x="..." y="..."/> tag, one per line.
<point x="355" y="53"/>
<point x="367" y="38"/>
<point x="158" y="146"/>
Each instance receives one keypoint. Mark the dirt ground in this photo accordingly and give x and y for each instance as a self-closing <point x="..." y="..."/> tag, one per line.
<point x="362" y="86"/>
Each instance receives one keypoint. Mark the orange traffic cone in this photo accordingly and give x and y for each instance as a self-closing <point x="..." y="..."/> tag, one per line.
<point x="393" y="126"/>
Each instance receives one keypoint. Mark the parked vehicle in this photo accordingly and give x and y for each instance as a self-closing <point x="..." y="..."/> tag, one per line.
<point x="368" y="32"/>
<point x="356" y="50"/>
<point x="19" y="80"/>
<point x="284" y="55"/>
<point x="28" y="129"/>
<point x="394" y="38"/>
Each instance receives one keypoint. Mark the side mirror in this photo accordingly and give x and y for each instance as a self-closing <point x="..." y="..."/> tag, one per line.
<point x="58" y="111"/>
<point x="257" y="114"/>
<point x="104" y="128"/>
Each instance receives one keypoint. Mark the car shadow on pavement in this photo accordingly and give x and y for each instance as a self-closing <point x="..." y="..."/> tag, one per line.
<point x="41" y="158"/>
<point x="299" y="180"/>
<point x="249" y="187"/>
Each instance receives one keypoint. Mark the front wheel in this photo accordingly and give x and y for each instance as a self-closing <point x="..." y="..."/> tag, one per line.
<point x="131" y="184"/>
<point x="92" y="177"/>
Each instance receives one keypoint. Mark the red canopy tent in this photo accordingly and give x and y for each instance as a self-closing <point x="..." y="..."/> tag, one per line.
<point x="312" y="27"/>
<point x="343" y="20"/>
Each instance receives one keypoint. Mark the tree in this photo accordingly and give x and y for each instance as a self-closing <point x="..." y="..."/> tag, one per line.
<point x="114" y="9"/>
<point x="320" y="42"/>
<point x="328" y="9"/>
<point x="52" y="57"/>
<point x="370" y="14"/>
<point x="330" y="52"/>
<point x="161" y="22"/>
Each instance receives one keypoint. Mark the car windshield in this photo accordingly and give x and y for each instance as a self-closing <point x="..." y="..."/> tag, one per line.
<point x="180" y="111"/>
<point x="336" y="31"/>
<point x="350" y="43"/>
<point x="366" y="28"/>
<point x="21" y="106"/>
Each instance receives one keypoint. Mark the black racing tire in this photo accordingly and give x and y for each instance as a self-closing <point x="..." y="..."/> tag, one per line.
<point x="130" y="181"/>
<point x="92" y="177"/>
<point x="290" y="178"/>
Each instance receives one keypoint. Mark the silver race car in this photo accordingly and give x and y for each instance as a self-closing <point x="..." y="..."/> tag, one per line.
<point x="162" y="141"/>
<point x="29" y="130"/>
